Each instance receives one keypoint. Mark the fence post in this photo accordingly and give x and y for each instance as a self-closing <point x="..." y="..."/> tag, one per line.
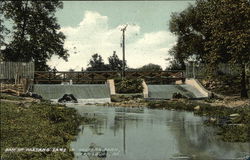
<point x="49" y="77"/>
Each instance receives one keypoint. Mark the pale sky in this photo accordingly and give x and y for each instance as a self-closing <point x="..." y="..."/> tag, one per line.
<point x="94" y="27"/>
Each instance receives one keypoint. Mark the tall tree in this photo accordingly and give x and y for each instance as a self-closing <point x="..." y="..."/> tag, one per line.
<point x="215" y="31"/>
<point x="36" y="35"/>
<point x="230" y="36"/>
<point x="96" y="63"/>
<point x="115" y="63"/>
<point x="3" y="30"/>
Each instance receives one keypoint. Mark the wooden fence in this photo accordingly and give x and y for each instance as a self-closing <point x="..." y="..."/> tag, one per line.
<point x="200" y="70"/>
<point x="15" y="71"/>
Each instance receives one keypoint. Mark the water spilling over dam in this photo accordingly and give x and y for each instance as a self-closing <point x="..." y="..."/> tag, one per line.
<point x="167" y="91"/>
<point x="85" y="93"/>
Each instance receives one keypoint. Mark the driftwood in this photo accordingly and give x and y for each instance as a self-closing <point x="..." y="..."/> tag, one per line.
<point x="12" y="88"/>
<point x="17" y="89"/>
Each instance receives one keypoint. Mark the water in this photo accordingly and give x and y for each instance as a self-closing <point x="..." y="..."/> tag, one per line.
<point x="146" y="134"/>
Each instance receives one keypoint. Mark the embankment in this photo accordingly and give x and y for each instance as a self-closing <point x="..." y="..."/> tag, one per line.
<point x="28" y="124"/>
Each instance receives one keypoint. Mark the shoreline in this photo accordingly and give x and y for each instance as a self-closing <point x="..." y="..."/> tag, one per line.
<point x="230" y="116"/>
<point x="231" y="122"/>
<point x="29" y="124"/>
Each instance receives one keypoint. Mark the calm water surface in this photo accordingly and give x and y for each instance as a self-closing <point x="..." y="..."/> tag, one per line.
<point x="146" y="134"/>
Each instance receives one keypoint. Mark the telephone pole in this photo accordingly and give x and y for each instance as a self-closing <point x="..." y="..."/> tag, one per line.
<point x="123" y="51"/>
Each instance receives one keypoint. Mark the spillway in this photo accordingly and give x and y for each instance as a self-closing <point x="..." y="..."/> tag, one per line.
<point x="167" y="91"/>
<point x="85" y="93"/>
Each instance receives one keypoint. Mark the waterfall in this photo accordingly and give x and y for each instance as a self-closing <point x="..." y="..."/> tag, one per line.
<point x="85" y="93"/>
<point x="167" y="91"/>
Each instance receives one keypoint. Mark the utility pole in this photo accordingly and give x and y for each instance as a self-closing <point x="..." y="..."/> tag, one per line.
<point x="123" y="51"/>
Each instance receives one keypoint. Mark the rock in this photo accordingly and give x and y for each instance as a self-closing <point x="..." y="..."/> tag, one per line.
<point x="212" y="119"/>
<point x="240" y="125"/>
<point x="197" y="108"/>
<point x="234" y="115"/>
<point x="68" y="98"/>
<point x="36" y="96"/>
<point x="178" y="95"/>
<point x="33" y="95"/>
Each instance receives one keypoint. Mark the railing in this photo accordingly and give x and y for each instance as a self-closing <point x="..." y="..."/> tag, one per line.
<point x="102" y="76"/>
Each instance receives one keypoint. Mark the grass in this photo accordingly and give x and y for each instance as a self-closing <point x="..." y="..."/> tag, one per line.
<point x="39" y="125"/>
<point x="10" y="97"/>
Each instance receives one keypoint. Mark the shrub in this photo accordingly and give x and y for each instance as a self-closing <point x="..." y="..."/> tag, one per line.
<point x="128" y="85"/>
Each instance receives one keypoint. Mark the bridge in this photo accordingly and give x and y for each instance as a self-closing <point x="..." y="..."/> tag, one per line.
<point x="100" y="77"/>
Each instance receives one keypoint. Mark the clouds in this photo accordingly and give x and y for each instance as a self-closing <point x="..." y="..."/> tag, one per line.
<point x="93" y="35"/>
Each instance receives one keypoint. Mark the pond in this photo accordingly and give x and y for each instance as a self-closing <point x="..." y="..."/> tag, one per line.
<point x="149" y="134"/>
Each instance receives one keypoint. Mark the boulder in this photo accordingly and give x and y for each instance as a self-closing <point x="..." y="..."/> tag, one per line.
<point x="234" y="115"/>
<point x="178" y="95"/>
<point x="33" y="95"/>
<point x="197" y="108"/>
<point x="68" y="98"/>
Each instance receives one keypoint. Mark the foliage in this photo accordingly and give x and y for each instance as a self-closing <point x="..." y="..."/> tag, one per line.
<point x="175" y="64"/>
<point x="37" y="126"/>
<point x="128" y="85"/>
<point x="126" y="97"/>
<point x="213" y="32"/>
<point x="96" y="63"/>
<point x="3" y="30"/>
<point x="115" y="64"/>
<point x="151" y="67"/>
<point x="35" y="35"/>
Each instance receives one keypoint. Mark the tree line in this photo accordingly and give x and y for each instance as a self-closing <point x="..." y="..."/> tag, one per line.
<point x="213" y="32"/>
<point x="96" y="63"/>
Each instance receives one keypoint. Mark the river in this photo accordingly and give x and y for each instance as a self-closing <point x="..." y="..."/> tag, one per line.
<point x="149" y="134"/>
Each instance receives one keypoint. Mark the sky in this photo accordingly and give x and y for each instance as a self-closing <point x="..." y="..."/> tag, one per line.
<point x="95" y="27"/>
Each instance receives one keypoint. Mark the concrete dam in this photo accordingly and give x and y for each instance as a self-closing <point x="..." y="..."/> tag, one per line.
<point x="101" y="93"/>
<point x="84" y="93"/>
<point x="167" y="91"/>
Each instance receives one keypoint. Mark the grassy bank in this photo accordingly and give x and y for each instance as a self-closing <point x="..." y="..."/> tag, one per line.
<point x="37" y="125"/>
<point x="233" y="123"/>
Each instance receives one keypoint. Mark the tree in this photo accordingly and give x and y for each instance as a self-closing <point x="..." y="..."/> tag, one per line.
<point x="230" y="35"/>
<point x="3" y="30"/>
<point x="36" y="35"/>
<point x="115" y="63"/>
<point x="151" y="67"/>
<point x="96" y="63"/>
<point x="215" y="31"/>
<point x="175" y="65"/>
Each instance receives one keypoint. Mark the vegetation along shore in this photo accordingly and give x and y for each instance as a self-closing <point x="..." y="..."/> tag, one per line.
<point x="31" y="124"/>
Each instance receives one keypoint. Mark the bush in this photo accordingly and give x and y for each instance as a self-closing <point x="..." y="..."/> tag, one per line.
<point x="128" y="85"/>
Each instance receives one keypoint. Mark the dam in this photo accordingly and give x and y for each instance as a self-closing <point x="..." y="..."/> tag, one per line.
<point x="84" y="93"/>
<point x="95" y="87"/>
<point x="167" y="91"/>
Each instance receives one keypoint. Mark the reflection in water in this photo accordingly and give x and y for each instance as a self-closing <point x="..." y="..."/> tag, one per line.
<point x="124" y="132"/>
<point x="145" y="134"/>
